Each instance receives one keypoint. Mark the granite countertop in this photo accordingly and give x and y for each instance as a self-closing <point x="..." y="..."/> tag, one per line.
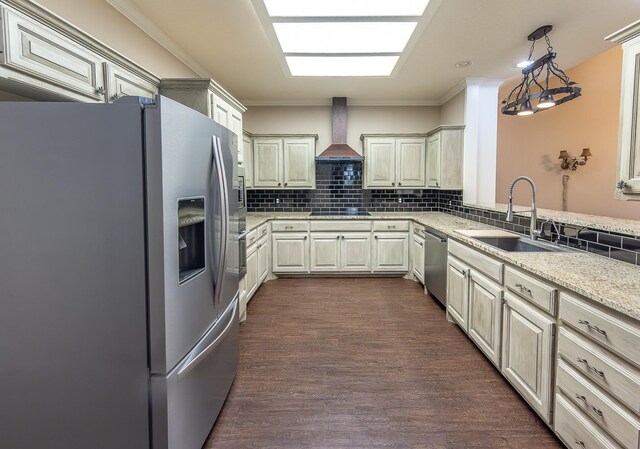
<point x="610" y="282"/>
<point x="609" y="224"/>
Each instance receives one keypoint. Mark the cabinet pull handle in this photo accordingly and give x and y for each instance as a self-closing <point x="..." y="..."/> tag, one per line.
<point x="523" y="288"/>
<point x="579" y="443"/>
<point x="590" y="368"/>
<point x="595" y="410"/>
<point x="592" y="327"/>
<point x="100" y="90"/>
<point x="114" y="97"/>
<point x="419" y="243"/>
<point x="580" y="397"/>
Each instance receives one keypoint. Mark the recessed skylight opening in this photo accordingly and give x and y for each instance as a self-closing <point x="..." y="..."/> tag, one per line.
<point x="345" y="8"/>
<point x="341" y="65"/>
<point x="344" y="37"/>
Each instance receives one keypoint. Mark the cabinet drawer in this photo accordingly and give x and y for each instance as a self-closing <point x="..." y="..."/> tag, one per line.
<point x="289" y="226"/>
<point x="340" y="225"/>
<point x="252" y="237"/>
<point x="621" y="336"/>
<point x="263" y="230"/>
<point x="533" y="290"/>
<point x="418" y="229"/>
<point x="602" y="408"/>
<point x="616" y="376"/>
<point x="390" y="226"/>
<point x="483" y="263"/>
<point x="40" y="52"/>
<point x="577" y="430"/>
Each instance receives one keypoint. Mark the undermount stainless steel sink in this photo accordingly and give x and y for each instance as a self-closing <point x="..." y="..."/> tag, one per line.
<point x="522" y="245"/>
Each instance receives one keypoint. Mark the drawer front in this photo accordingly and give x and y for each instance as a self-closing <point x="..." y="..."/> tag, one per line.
<point x="577" y="430"/>
<point x="340" y="225"/>
<point x="41" y="52"/>
<point x="599" y="406"/>
<point x="289" y="226"/>
<point x="263" y="230"/>
<point x="536" y="292"/>
<point x="390" y="225"/>
<point x="418" y="229"/>
<point x="252" y="238"/>
<point x="488" y="266"/>
<point x="622" y="337"/>
<point x="614" y="375"/>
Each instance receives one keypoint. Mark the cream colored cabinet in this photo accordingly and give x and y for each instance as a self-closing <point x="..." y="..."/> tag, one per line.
<point x="485" y="315"/>
<point x="247" y="159"/>
<point x="290" y="252"/>
<point x="390" y="252"/>
<point x="417" y="257"/>
<point x="264" y="259"/>
<point x="445" y="154"/>
<point x="242" y="293"/>
<point x="121" y="82"/>
<point x="225" y="114"/>
<point x="528" y="353"/>
<point x="325" y="252"/>
<point x="394" y="161"/>
<point x="251" y="278"/>
<point x="267" y="154"/>
<point x="458" y="292"/>
<point x="284" y="162"/>
<point x="628" y="176"/>
<point x="355" y="252"/>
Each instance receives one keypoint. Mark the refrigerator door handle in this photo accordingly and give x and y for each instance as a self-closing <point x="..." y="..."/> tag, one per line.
<point x="191" y="364"/>
<point x="224" y="207"/>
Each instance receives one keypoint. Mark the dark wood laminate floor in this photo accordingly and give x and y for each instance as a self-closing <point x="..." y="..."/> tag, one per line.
<point x="365" y="363"/>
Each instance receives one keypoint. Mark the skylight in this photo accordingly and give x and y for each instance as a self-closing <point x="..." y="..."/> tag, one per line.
<point x="342" y="37"/>
<point x="341" y="65"/>
<point x="345" y="8"/>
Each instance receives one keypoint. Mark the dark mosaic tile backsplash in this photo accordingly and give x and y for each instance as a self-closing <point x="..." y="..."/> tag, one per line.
<point x="339" y="187"/>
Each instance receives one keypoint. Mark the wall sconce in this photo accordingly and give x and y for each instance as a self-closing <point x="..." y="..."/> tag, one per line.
<point x="571" y="162"/>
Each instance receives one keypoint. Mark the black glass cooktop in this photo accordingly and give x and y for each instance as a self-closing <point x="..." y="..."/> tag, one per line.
<point x="347" y="212"/>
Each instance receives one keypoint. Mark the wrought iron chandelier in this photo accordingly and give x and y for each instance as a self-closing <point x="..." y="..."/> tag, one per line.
<point x="538" y="80"/>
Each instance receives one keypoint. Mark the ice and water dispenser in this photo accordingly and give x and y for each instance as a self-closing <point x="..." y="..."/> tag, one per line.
<point x="191" y="232"/>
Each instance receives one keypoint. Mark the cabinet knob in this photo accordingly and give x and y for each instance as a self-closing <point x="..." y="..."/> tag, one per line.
<point x="393" y="183"/>
<point x="279" y="184"/>
<point x="305" y="237"/>
<point x="114" y="97"/>
<point x="375" y="236"/>
<point x="621" y="185"/>
<point x="100" y="90"/>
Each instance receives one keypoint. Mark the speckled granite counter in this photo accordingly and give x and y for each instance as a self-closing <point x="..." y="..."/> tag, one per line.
<point x="610" y="282"/>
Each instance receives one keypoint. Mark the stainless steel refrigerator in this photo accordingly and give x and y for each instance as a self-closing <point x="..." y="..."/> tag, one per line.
<point x="118" y="274"/>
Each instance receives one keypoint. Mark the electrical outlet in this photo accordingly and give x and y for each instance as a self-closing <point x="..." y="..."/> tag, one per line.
<point x="399" y="200"/>
<point x="277" y="200"/>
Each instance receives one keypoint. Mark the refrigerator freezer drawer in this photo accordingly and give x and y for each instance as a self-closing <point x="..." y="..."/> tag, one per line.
<point x="186" y="402"/>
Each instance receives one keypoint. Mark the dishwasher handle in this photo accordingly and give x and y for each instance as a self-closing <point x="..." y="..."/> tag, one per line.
<point x="433" y="236"/>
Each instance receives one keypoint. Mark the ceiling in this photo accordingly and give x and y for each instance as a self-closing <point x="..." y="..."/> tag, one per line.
<point x="226" y="40"/>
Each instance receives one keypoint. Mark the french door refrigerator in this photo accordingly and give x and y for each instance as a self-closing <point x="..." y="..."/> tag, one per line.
<point x="118" y="274"/>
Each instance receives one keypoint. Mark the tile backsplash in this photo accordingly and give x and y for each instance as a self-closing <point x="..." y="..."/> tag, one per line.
<point x="339" y="187"/>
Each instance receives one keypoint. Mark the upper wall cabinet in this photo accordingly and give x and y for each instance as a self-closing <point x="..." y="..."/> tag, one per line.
<point x="445" y="153"/>
<point x="245" y="158"/>
<point x="394" y="161"/>
<point x="628" y="176"/>
<point x="208" y="97"/>
<point x="44" y="57"/>
<point x="286" y="162"/>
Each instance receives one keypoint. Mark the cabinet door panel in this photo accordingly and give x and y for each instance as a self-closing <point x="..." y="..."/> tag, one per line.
<point x="247" y="161"/>
<point x="264" y="259"/>
<point x="355" y="252"/>
<point x="433" y="161"/>
<point x="391" y="252"/>
<point x="379" y="162"/>
<point x="299" y="162"/>
<point x="325" y="252"/>
<point x="266" y="162"/>
<point x="485" y="315"/>
<point x="251" y="278"/>
<point x="418" y="257"/>
<point x="457" y="292"/>
<point x="290" y="253"/>
<point x="50" y="57"/>
<point x="527" y="353"/>
<point x="121" y="83"/>
<point x="410" y="165"/>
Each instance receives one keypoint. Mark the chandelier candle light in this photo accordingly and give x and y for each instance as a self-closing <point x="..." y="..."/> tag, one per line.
<point x="537" y="76"/>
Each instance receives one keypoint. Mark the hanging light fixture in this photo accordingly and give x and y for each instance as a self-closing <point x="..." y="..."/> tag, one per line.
<point x="535" y="86"/>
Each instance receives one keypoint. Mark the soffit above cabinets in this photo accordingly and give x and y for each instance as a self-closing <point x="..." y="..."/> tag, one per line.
<point x="228" y="42"/>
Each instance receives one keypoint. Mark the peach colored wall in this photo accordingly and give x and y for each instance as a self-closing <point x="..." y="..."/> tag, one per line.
<point x="530" y="145"/>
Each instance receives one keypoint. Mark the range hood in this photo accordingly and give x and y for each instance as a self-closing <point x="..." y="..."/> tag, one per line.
<point x="339" y="150"/>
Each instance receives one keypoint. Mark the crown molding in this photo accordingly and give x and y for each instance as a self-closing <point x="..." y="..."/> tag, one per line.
<point x="131" y="12"/>
<point x="625" y="34"/>
<point x="489" y="82"/>
<point x="355" y="102"/>
<point x="455" y="90"/>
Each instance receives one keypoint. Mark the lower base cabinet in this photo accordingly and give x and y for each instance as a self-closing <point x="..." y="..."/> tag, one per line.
<point x="264" y="259"/>
<point x="251" y="278"/>
<point x="325" y="252"/>
<point x="485" y="315"/>
<point x="348" y="252"/>
<point x="417" y="260"/>
<point x="390" y="252"/>
<point x="290" y="252"/>
<point x="355" y="252"/>
<point x="528" y="353"/>
<point x="458" y="292"/>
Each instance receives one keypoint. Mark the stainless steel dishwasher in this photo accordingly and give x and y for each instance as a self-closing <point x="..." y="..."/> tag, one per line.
<point x="435" y="264"/>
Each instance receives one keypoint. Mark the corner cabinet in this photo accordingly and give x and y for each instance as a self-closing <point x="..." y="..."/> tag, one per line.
<point x="45" y="58"/>
<point x="286" y="162"/>
<point x="394" y="161"/>
<point x="628" y="175"/>
<point x="445" y="154"/>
